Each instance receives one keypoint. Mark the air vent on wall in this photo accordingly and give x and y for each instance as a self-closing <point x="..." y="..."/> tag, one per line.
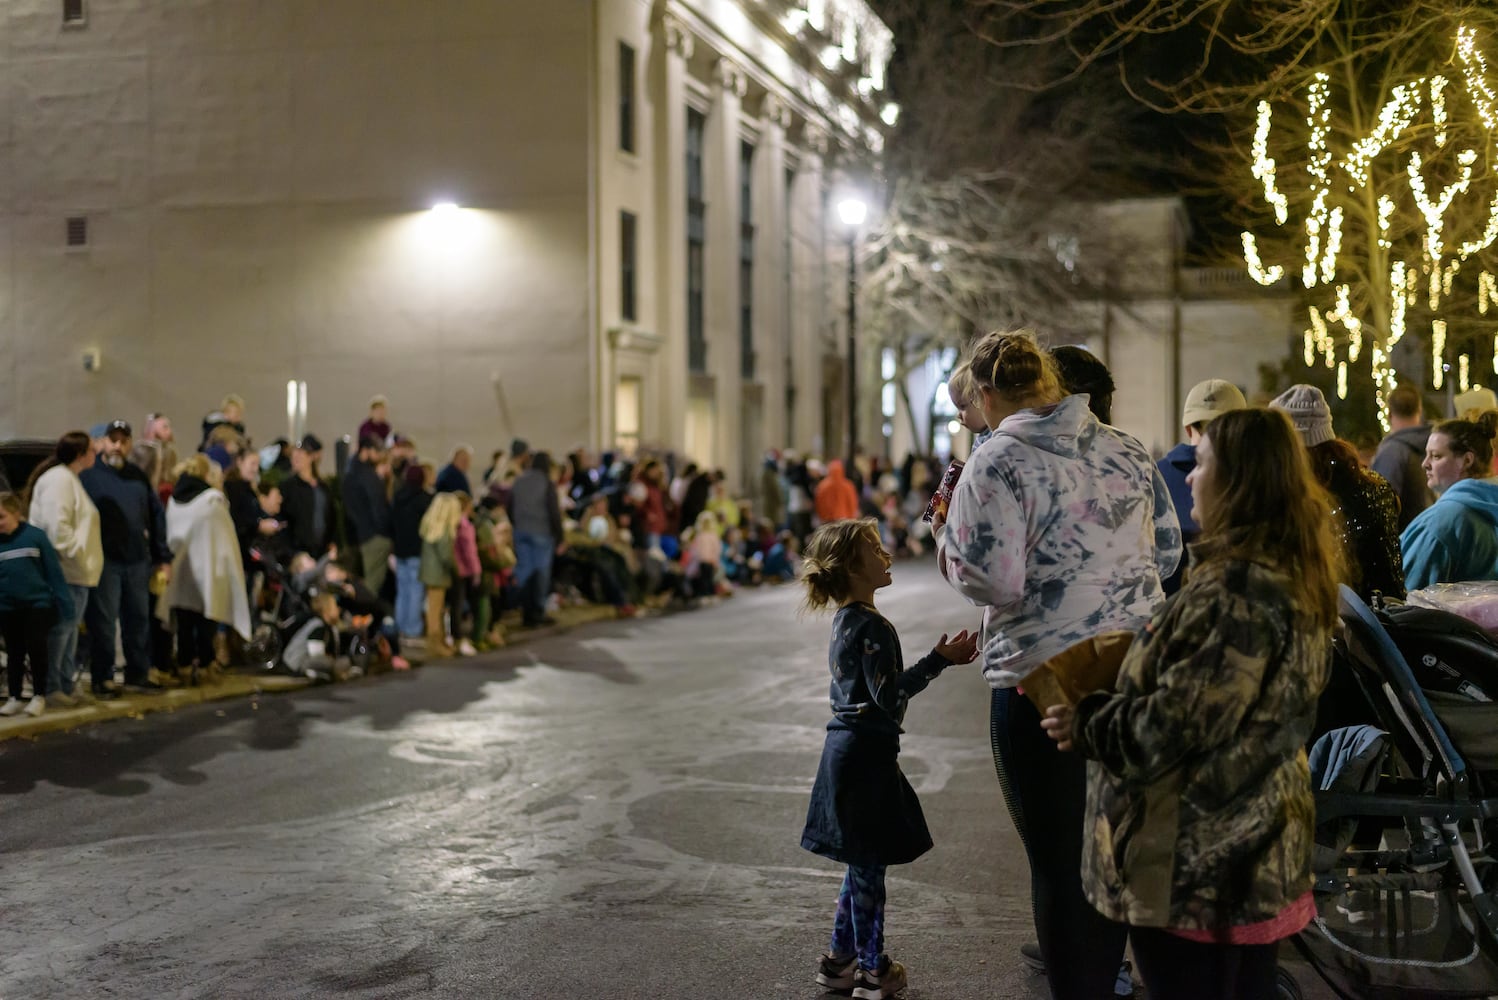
<point x="74" y="13"/>
<point x="77" y="231"/>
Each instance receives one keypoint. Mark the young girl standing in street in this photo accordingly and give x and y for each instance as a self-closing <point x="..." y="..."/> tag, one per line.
<point x="863" y="812"/>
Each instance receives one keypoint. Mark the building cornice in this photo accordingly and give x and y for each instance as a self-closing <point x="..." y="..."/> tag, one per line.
<point x="809" y="93"/>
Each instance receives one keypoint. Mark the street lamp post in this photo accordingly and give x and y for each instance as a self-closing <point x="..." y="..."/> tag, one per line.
<point x="852" y="211"/>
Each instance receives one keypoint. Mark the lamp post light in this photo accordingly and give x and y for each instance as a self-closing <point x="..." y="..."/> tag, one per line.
<point x="852" y="211"/>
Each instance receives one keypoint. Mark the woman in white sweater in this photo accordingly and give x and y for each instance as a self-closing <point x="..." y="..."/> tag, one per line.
<point x="1060" y="529"/>
<point x="63" y="510"/>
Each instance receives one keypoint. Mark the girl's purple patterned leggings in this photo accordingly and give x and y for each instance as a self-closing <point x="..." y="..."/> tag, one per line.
<point x="859" y="926"/>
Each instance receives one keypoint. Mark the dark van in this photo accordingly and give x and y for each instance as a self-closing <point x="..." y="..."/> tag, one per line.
<point x="18" y="458"/>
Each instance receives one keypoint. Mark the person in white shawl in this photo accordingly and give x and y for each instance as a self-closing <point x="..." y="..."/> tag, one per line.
<point x="207" y="588"/>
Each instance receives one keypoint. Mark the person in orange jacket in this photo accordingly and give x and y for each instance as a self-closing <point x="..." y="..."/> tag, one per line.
<point x="836" y="498"/>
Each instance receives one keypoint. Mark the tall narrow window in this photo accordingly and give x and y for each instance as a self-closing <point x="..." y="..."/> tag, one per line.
<point x="696" y="238"/>
<point x="627" y="266"/>
<point x="746" y="260"/>
<point x="626" y="98"/>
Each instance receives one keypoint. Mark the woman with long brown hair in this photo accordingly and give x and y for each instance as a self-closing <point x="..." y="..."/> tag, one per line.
<point x="1364" y="504"/>
<point x="1200" y="813"/>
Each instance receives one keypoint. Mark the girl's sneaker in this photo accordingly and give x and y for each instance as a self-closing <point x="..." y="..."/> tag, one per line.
<point x="36" y="706"/>
<point x="878" y="985"/>
<point x="13" y="706"/>
<point x="835" y="973"/>
<point x="466" y="648"/>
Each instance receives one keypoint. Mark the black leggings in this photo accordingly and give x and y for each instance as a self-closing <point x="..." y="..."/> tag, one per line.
<point x="26" y="632"/>
<point x="1174" y="968"/>
<point x="1046" y="792"/>
<point x="194" y="638"/>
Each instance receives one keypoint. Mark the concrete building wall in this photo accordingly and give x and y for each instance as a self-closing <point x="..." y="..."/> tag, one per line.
<point x="256" y="177"/>
<point x="1230" y="336"/>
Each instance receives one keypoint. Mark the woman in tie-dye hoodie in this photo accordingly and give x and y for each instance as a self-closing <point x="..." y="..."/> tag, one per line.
<point x="1060" y="529"/>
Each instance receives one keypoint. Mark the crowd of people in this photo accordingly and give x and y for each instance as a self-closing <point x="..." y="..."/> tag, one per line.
<point x="1156" y="636"/>
<point x="178" y="560"/>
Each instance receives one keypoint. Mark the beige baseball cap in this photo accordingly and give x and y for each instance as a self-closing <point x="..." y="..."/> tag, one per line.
<point x="1209" y="400"/>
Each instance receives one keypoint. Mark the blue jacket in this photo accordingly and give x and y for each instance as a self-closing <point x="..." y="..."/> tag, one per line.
<point x="31" y="574"/>
<point x="1174" y="468"/>
<point x="1454" y="539"/>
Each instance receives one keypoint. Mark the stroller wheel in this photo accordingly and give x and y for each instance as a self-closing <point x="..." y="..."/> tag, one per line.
<point x="263" y="651"/>
<point x="1285" y="986"/>
<point x="360" y="654"/>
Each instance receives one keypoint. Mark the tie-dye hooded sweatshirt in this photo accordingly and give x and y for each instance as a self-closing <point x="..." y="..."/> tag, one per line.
<point x="1060" y="529"/>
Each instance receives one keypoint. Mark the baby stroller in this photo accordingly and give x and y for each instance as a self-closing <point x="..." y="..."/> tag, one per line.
<point x="1405" y="876"/>
<point x="276" y="608"/>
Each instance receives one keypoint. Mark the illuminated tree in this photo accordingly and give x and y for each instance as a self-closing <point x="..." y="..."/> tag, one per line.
<point x="1396" y="209"/>
<point x="1351" y="138"/>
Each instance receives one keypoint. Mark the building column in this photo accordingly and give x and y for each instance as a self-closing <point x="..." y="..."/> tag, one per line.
<point x="721" y="167"/>
<point x="771" y="305"/>
<point x="809" y="296"/>
<point x="670" y="262"/>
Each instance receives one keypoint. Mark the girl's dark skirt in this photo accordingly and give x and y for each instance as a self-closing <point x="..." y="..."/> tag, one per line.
<point x="863" y="812"/>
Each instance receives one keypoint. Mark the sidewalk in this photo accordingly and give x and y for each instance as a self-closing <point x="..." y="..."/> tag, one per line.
<point x="234" y="685"/>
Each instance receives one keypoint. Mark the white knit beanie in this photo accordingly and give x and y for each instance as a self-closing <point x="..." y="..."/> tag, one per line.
<point x="1306" y="407"/>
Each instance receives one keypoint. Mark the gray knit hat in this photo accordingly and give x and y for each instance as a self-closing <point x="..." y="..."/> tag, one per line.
<point x="1306" y="407"/>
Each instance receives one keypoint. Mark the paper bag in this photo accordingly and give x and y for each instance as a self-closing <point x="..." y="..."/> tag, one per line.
<point x="1090" y="665"/>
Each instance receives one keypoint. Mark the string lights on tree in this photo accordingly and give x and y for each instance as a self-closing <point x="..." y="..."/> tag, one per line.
<point x="1395" y="223"/>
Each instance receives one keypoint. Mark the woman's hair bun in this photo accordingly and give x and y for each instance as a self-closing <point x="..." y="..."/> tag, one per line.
<point x="1017" y="363"/>
<point x="1014" y="364"/>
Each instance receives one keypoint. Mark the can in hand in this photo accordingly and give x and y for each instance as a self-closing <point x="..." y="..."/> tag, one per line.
<point x="942" y="498"/>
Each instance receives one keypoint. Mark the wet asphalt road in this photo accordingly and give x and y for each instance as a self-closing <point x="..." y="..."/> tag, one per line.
<point x="610" y="813"/>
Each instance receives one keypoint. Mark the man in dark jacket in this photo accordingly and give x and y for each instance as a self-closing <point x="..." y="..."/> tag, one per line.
<point x="366" y="511"/>
<point x="454" y="475"/>
<point x="1400" y="455"/>
<point x="306" y="503"/>
<point x="536" y="514"/>
<point x="1204" y="403"/>
<point x="132" y="526"/>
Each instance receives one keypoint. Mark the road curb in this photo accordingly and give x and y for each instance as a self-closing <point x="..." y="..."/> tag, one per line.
<point x="133" y="706"/>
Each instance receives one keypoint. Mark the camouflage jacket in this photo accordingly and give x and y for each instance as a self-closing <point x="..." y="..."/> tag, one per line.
<point x="1199" y="807"/>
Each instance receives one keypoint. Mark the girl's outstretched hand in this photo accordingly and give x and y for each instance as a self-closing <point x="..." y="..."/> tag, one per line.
<point x="1057" y="725"/>
<point x="961" y="648"/>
